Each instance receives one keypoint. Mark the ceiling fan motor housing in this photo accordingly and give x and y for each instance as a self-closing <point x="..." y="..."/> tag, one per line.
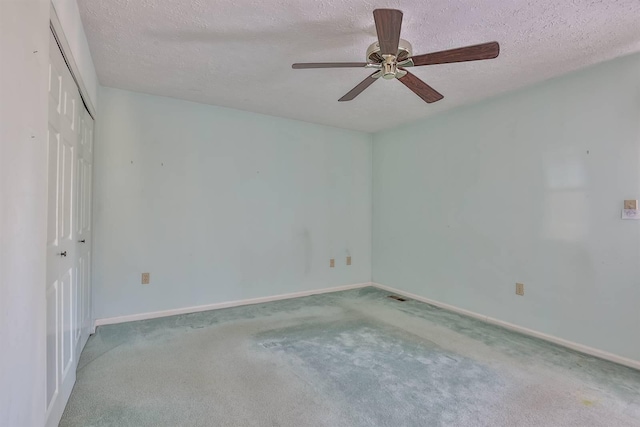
<point x="404" y="52"/>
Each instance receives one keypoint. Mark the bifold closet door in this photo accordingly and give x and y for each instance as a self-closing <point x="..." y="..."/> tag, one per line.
<point x="83" y="226"/>
<point x="68" y="225"/>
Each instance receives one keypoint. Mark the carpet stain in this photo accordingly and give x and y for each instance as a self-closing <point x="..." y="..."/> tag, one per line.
<point x="396" y="376"/>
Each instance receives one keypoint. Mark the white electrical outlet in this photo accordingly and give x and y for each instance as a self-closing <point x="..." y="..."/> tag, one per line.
<point x="630" y="213"/>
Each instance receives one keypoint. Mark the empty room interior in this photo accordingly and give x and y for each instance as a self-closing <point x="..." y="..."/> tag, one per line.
<point x="304" y="213"/>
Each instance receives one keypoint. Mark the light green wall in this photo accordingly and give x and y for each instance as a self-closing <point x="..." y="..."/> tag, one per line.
<point x="527" y="187"/>
<point x="222" y="205"/>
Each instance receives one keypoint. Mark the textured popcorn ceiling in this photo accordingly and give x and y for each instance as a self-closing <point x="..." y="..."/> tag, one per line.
<point x="238" y="54"/>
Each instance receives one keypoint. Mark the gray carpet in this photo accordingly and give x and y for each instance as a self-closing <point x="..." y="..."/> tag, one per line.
<point x="354" y="358"/>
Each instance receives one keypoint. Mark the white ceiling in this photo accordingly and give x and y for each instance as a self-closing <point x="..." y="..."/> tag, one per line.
<point x="238" y="54"/>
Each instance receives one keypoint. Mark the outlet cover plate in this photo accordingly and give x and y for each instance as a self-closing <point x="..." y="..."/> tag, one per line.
<point x="631" y="214"/>
<point x="145" y="278"/>
<point x="519" y="289"/>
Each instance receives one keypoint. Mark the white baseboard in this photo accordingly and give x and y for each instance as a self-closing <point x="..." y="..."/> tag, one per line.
<point x="216" y="306"/>
<point x="526" y="331"/>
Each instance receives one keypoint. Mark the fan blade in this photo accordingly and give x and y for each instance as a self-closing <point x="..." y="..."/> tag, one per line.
<point x="359" y="88"/>
<point x="303" y="65"/>
<point x="388" y="25"/>
<point x="420" y="88"/>
<point x="470" y="53"/>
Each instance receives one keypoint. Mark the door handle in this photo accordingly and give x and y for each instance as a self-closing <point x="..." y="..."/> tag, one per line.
<point x="63" y="253"/>
<point x="81" y="241"/>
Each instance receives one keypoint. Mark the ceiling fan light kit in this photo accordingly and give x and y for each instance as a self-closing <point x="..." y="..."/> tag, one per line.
<point x="390" y="55"/>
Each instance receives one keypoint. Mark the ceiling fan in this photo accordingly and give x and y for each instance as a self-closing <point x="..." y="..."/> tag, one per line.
<point x="391" y="55"/>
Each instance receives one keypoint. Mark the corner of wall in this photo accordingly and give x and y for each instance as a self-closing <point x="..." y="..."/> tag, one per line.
<point x="371" y="148"/>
